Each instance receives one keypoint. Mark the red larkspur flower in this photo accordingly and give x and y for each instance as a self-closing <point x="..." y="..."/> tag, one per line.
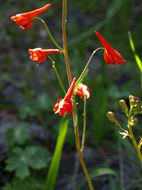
<point x="39" y="55"/>
<point x="25" y="20"/>
<point x="111" y="56"/>
<point x="82" y="90"/>
<point x="65" y="105"/>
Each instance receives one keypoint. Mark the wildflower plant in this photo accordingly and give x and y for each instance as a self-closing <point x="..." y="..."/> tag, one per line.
<point x="135" y="108"/>
<point x="67" y="105"/>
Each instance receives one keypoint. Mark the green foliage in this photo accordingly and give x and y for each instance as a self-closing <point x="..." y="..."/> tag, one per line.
<point x="115" y="93"/>
<point x="20" y="160"/>
<point x="53" y="170"/>
<point x="103" y="171"/>
<point x="35" y="106"/>
<point x="31" y="183"/>
<point x="137" y="58"/>
<point x="98" y="173"/>
<point x="27" y="110"/>
<point x="99" y="110"/>
<point x="19" y="134"/>
<point x="139" y="62"/>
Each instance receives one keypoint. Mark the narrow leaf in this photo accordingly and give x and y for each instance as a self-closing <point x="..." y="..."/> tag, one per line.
<point x="53" y="170"/>
<point x="103" y="171"/>
<point x="139" y="62"/>
<point x="131" y="42"/>
<point x="99" y="172"/>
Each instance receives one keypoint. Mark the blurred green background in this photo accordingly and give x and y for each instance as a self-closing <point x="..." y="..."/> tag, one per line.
<point x="28" y="93"/>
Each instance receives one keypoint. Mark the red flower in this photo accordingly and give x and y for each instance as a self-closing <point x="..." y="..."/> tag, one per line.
<point x="65" y="105"/>
<point x="111" y="56"/>
<point x="39" y="55"/>
<point x="82" y="90"/>
<point x="25" y="20"/>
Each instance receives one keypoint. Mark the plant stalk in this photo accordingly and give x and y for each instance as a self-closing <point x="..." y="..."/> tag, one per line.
<point x="75" y="119"/>
<point x="141" y="84"/>
<point x="64" y="36"/>
<point x="134" y="142"/>
<point x="57" y="74"/>
<point x="84" y="125"/>
<point x="50" y="35"/>
<point x="87" y="64"/>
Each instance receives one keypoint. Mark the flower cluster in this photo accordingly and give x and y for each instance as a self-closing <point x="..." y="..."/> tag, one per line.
<point x="64" y="106"/>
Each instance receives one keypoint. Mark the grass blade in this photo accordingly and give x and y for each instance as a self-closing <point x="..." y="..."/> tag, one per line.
<point x="139" y="62"/>
<point x="131" y="42"/>
<point x="137" y="58"/>
<point x="53" y="170"/>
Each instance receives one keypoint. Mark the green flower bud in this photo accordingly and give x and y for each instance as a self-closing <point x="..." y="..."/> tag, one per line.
<point x="133" y="122"/>
<point x="135" y="104"/>
<point x="110" y="115"/>
<point x="124" y="106"/>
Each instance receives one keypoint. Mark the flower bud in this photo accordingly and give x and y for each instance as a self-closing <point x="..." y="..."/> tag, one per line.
<point x="134" y="122"/>
<point x="124" y="106"/>
<point x="110" y="115"/>
<point x="140" y="143"/>
<point x="135" y="104"/>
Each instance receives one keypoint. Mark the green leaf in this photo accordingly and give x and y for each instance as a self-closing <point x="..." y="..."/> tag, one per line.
<point x="27" y="110"/>
<point x="131" y="42"/>
<point x="43" y="101"/>
<point x="31" y="183"/>
<point x="103" y="171"/>
<point x="98" y="173"/>
<point x="38" y="157"/>
<point x="137" y="58"/>
<point x="20" y="160"/>
<point x="139" y="62"/>
<point x="19" y="134"/>
<point x="53" y="170"/>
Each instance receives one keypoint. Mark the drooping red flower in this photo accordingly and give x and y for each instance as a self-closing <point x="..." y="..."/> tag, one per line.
<point x="39" y="55"/>
<point x="25" y="20"/>
<point x="82" y="90"/>
<point x="111" y="56"/>
<point x="64" y="106"/>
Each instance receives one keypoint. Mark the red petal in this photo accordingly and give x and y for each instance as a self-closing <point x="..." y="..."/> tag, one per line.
<point x="70" y="90"/>
<point x="103" y="41"/>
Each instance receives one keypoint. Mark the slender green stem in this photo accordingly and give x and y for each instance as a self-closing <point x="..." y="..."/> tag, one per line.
<point x="57" y="74"/>
<point x="84" y="125"/>
<point x="118" y="125"/>
<point x="87" y="64"/>
<point x="134" y="141"/>
<point x="75" y="119"/>
<point x="141" y="84"/>
<point x="86" y="172"/>
<point x="103" y="68"/>
<point x="64" y="36"/>
<point x="50" y="35"/>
